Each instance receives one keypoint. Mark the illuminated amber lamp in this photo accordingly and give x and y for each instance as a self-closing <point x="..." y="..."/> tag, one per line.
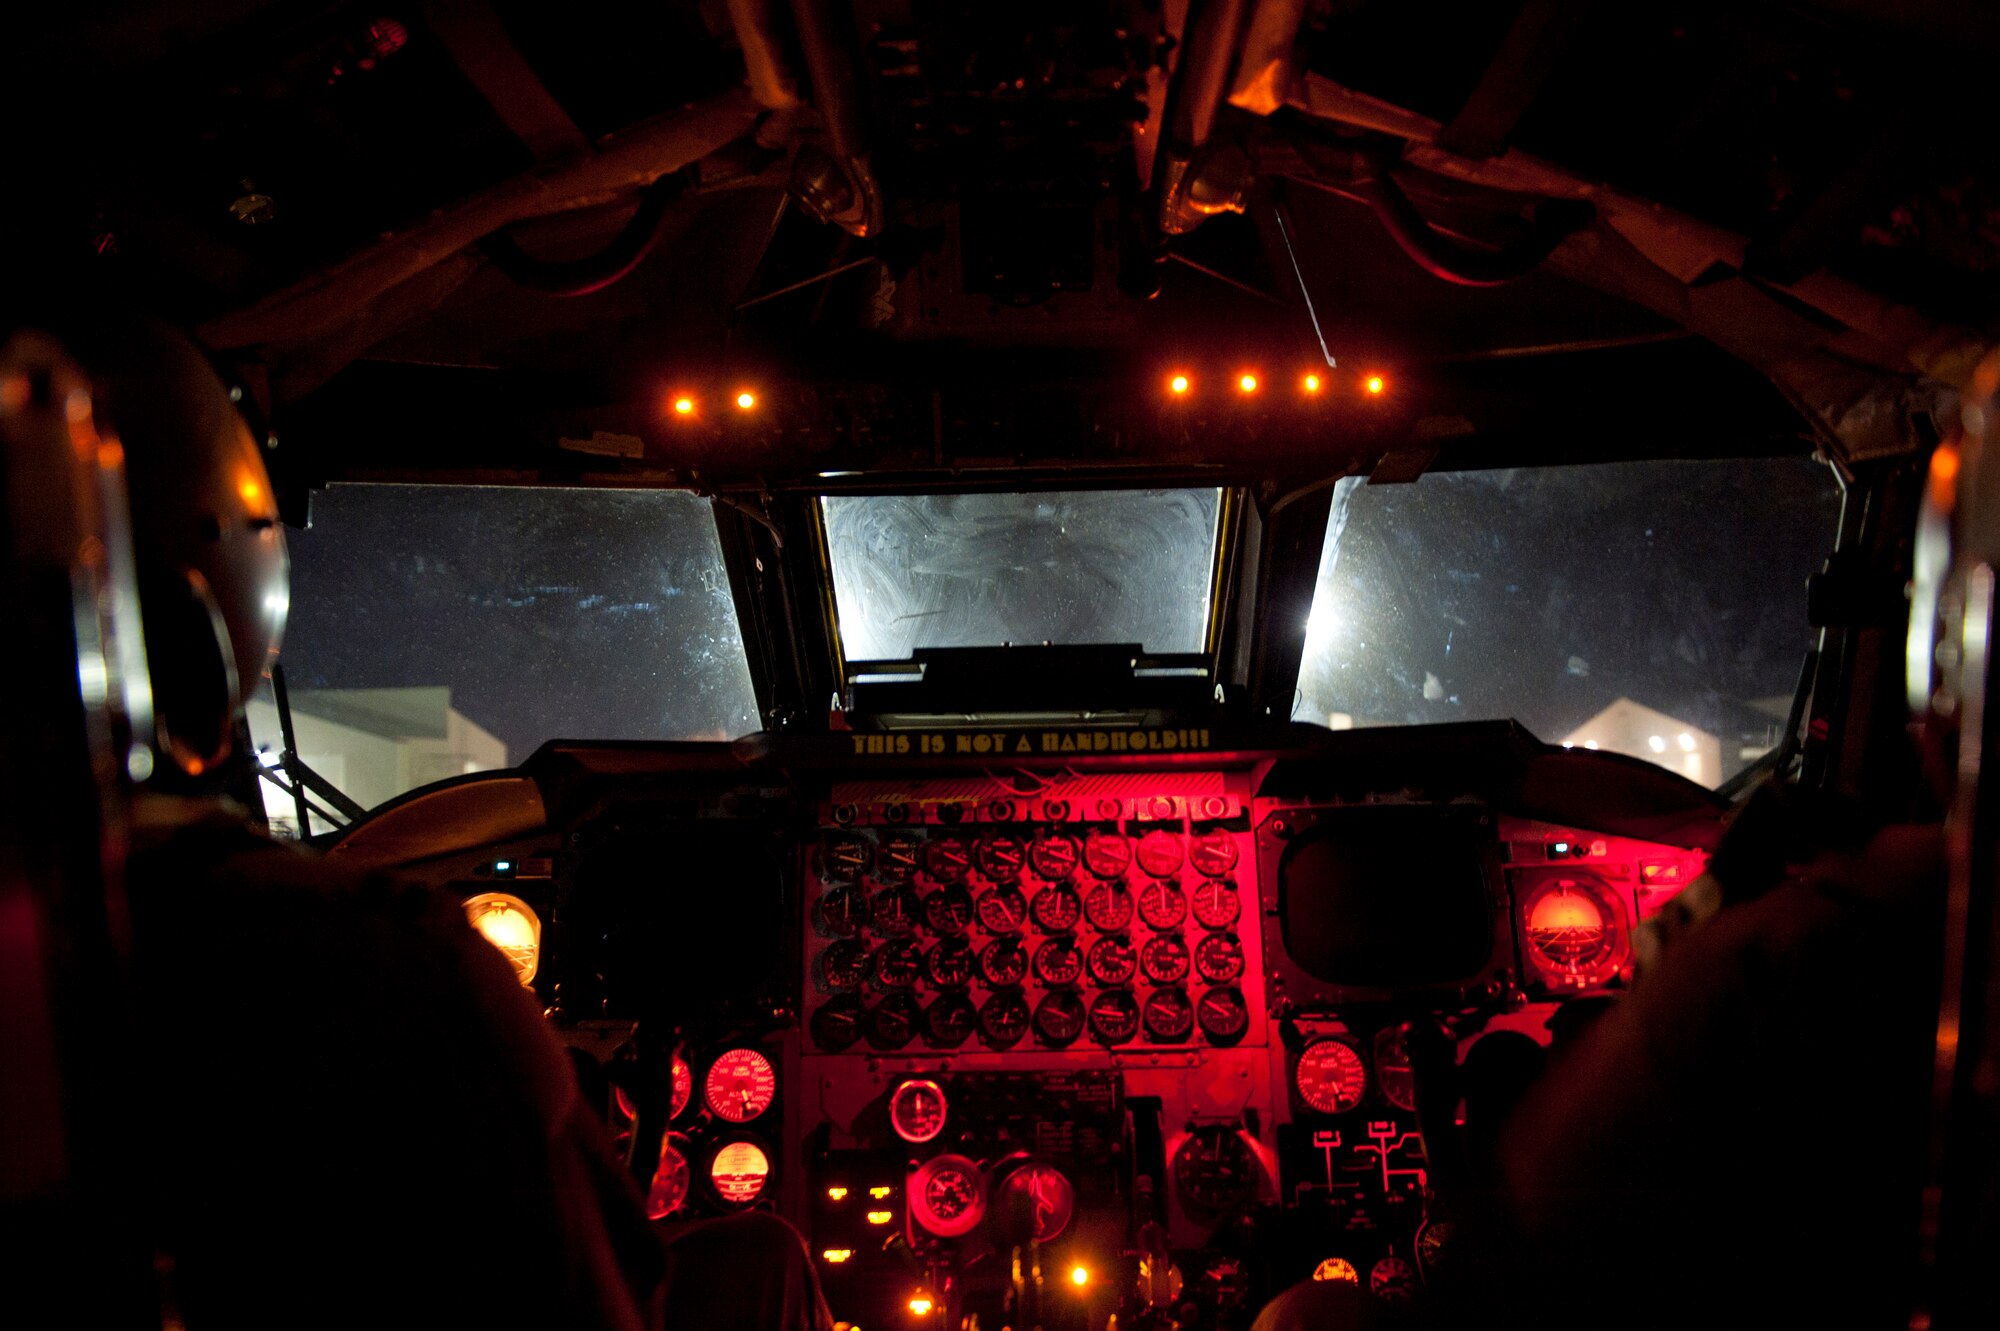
<point x="1373" y="385"/>
<point x="880" y="1190"/>
<point x="880" y="1217"/>
<point x="511" y="925"/>
<point x="1310" y="383"/>
<point x="683" y="405"/>
<point x="836" y="1193"/>
<point x="746" y="400"/>
<point x="1246" y="383"/>
<point x="1337" y="1268"/>
<point x="838" y="1255"/>
<point x="921" y="1304"/>
<point x="1179" y="385"/>
<point x="1079" y="1275"/>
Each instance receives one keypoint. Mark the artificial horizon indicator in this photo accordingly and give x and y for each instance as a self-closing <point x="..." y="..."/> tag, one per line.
<point x="738" y="1171"/>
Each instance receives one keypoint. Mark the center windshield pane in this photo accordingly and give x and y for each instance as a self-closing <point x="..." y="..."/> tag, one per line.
<point x="1656" y="609"/>
<point x="979" y="570"/>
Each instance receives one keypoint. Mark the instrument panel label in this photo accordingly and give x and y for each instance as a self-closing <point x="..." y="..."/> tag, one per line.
<point x="1037" y="742"/>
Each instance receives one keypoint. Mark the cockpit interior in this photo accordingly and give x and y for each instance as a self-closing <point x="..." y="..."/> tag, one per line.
<point x="1165" y="664"/>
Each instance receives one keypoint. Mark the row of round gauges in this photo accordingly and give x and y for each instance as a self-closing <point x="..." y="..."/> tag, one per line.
<point x="1002" y="856"/>
<point x="1167" y="1015"/>
<point x="948" y="912"/>
<point x="847" y="964"/>
<point x="1331" y="1074"/>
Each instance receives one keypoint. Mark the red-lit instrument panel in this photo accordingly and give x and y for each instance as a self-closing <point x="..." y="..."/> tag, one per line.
<point x="1119" y="915"/>
<point x="1579" y="895"/>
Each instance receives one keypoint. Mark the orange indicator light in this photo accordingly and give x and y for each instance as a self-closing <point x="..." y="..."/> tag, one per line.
<point x="1310" y="383"/>
<point x="1178" y="384"/>
<point x="1337" y="1268"/>
<point x="837" y="1255"/>
<point x="746" y="400"/>
<point x="921" y="1304"/>
<point x="1374" y="384"/>
<point x="1248" y="383"/>
<point x="1079" y="1275"/>
<point x="683" y="406"/>
<point x="880" y="1217"/>
<point x="836" y="1193"/>
<point x="879" y="1191"/>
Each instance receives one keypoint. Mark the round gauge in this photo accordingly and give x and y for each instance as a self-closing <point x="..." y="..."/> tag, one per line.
<point x="740" y="1085"/>
<point x="738" y="1171"/>
<point x="898" y="858"/>
<point x="948" y="858"/>
<point x="683" y="1083"/>
<point x="842" y="859"/>
<point x="1165" y="959"/>
<point x="841" y="913"/>
<point x="1216" y="904"/>
<point x="1054" y="856"/>
<point x="1059" y="1018"/>
<point x="1572" y="932"/>
<point x="949" y="1020"/>
<point x="898" y="964"/>
<point x="1213" y="853"/>
<point x="1162" y="905"/>
<point x="1107" y="854"/>
<point x="1159" y="852"/>
<point x="1214" y="1169"/>
<point x="1001" y="858"/>
<point x="1331" y="1076"/>
<point x="844" y="965"/>
<point x="1392" y="1068"/>
<point x="1219" y="958"/>
<point x="1049" y="1197"/>
<point x="1057" y="909"/>
<point x="1058" y="962"/>
<point x="916" y="1111"/>
<point x="1114" y="1016"/>
<point x="1108" y="907"/>
<point x="837" y="1025"/>
<point x="948" y="911"/>
<point x="1169" y="1016"/>
<point x="1433" y="1244"/>
<point x="893" y="1022"/>
<point x="1002" y="909"/>
<point x="895" y="912"/>
<point x="948" y="1196"/>
<point x="1112" y="960"/>
<point x="1004" y="962"/>
<point x="950" y="964"/>
<point x="1004" y="1019"/>
<point x="1223" y="1015"/>
<point x="668" y="1191"/>
<point x="1392" y="1278"/>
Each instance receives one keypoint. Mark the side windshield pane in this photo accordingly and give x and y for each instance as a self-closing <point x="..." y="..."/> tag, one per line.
<point x="1656" y="609"/>
<point x="979" y="570"/>
<point x="440" y="630"/>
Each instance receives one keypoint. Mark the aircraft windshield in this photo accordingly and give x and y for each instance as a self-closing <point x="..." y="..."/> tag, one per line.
<point x="439" y="630"/>
<point x="979" y="570"/>
<point x="1656" y="609"/>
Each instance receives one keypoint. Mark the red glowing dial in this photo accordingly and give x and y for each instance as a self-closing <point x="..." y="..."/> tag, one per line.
<point x="1108" y="907"/>
<point x="1219" y="958"/>
<point x="1160" y="853"/>
<point x="1112" y="960"/>
<point x="1054" y="856"/>
<point x="683" y="1087"/>
<point x="1165" y="959"/>
<point x="1107" y="854"/>
<point x="669" y="1189"/>
<point x="1213" y="853"/>
<point x="1001" y="858"/>
<point x="1050" y="1198"/>
<point x="917" y="1111"/>
<point x="1331" y="1076"/>
<point x="1216" y="904"/>
<point x="1572" y="932"/>
<point x="740" y="1085"/>
<point x="1162" y="905"/>
<point x="1002" y="909"/>
<point x="948" y="859"/>
<point x="738" y="1172"/>
<point x="1057" y="909"/>
<point x="948" y="1196"/>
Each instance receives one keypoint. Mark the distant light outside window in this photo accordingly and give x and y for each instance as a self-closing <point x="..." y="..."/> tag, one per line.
<point x="441" y="630"/>
<point x="1656" y="609"/>
<point x="978" y="570"/>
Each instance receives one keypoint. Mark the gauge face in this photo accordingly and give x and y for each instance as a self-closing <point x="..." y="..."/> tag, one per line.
<point x="897" y="965"/>
<point x="1159" y="853"/>
<point x="844" y="965"/>
<point x="916" y="1111"/>
<point x="1004" y="962"/>
<point x="949" y="1020"/>
<point x="950" y="964"/>
<point x="895" y="912"/>
<point x="739" y="1171"/>
<point x="1049" y="1196"/>
<point x="669" y="1190"/>
<point x="1219" y="958"/>
<point x="1108" y="907"/>
<point x="1331" y="1076"/>
<point x="1164" y="959"/>
<point x="893" y="1022"/>
<point x="1107" y="854"/>
<point x="842" y="912"/>
<point x="1572" y="932"/>
<point x="1392" y="1278"/>
<point x="1216" y="904"/>
<point x="1057" y="909"/>
<point x="947" y="1196"/>
<point x="1223" y="1015"/>
<point x="1004" y="1019"/>
<point x="1392" y="1068"/>
<point x="1213" y="853"/>
<point x="1214" y="1170"/>
<point x="948" y="911"/>
<point x="898" y="857"/>
<point x="1114" y="1016"/>
<point x="1055" y="856"/>
<point x="1112" y="960"/>
<point x="740" y="1085"/>
<point x="683" y="1080"/>
<point x="1162" y="905"/>
<point x="1001" y="857"/>
<point x="837" y="1025"/>
<point x="948" y="859"/>
<point x="1002" y="909"/>
<point x="1058" y="962"/>
<point x="1059" y="1018"/>
<point x="1169" y="1016"/>
<point x="842" y="859"/>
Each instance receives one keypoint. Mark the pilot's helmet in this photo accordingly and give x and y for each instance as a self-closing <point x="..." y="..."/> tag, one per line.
<point x="210" y="552"/>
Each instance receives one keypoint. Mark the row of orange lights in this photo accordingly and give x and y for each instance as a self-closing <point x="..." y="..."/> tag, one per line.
<point x="1247" y="383"/>
<point x="921" y="1302"/>
<point x="685" y="404"/>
